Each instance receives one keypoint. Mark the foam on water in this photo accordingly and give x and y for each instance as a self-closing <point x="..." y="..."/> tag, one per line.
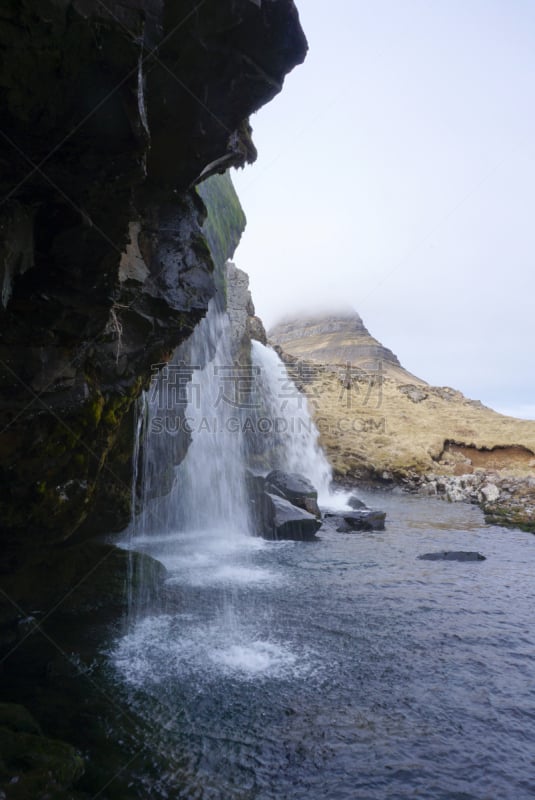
<point x="256" y="658"/>
<point x="337" y="500"/>
<point x="162" y="649"/>
<point x="209" y="573"/>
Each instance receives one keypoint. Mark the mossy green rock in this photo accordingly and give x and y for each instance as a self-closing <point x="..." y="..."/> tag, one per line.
<point x="17" y="718"/>
<point x="31" y="765"/>
<point x="226" y="220"/>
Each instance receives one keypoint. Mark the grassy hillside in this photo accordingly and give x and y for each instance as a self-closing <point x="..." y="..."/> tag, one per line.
<point x="377" y="422"/>
<point x="380" y="424"/>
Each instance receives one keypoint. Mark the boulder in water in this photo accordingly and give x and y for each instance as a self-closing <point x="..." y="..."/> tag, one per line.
<point x="355" y="503"/>
<point x="452" y="555"/>
<point x="363" y="519"/>
<point x="283" y="520"/>
<point x="294" y="487"/>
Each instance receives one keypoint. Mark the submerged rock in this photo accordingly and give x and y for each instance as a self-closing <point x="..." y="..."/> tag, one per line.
<point x="365" y="519"/>
<point x="355" y="503"/>
<point x="452" y="555"/>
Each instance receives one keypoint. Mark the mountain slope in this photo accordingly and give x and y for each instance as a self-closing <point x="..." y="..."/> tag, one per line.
<point x="379" y="423"/>
<point x="336" y="338"/>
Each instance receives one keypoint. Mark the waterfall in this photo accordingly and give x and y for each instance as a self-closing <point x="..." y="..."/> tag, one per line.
<point x="194" y="459"/>
<point x="209" y="490"/>
<point x="139" y="416"/>
<point x="191" y="480"/>
<point x="291" y="439"/>
<point x="206" y="421"/>
<point x="203" y="426"/>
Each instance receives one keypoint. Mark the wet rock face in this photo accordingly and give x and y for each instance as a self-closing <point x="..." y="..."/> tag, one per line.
<point x="285" y="520"/>
<point x="110" y="114"/>
<point x="295" y="488"/>
<point x="283" y="506"/>
<point x="40" y="767"/>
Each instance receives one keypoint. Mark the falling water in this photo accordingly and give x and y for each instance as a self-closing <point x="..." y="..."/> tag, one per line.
<point x="139" y="417"/>
<point x="209" y="492"/>
<point x="194" y="513"/>
<point x="205" y="423"/>
<point x="292" y="443"/>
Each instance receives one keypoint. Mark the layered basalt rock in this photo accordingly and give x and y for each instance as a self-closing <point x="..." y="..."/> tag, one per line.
<point x="331" y="338"/>
<point x="111" y="113"/>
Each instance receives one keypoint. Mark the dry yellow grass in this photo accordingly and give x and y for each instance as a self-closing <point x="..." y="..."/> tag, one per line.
<point x="380" y="423"/>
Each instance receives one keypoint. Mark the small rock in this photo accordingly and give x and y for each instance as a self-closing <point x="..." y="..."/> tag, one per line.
<point x="361" y="520"/>
<point x="414" y="393"/>
<point x="429" y="489"/>
<point x="354" y="502"/>
<point x="452" y="555"/>
<point x="490" y="493"/>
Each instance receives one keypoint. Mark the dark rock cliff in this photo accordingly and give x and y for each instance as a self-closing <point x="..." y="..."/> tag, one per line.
<point x="111" y="112"/>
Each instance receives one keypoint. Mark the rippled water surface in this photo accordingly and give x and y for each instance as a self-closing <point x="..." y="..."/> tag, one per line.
<point x="344" y="668"/>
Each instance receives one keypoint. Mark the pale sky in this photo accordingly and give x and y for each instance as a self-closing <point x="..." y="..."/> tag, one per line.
<point x="396" y="173"/>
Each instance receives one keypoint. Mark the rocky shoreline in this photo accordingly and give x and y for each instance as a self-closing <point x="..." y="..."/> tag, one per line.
<point x="505" y="500"/>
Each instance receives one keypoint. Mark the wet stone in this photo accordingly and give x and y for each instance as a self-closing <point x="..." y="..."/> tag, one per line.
<point x="452" y="555"/>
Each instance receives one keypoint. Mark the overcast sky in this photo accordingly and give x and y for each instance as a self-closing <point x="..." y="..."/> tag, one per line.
<point x="397" y="174"/>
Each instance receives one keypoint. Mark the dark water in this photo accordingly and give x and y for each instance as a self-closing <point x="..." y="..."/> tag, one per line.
<point x="344" y="668"/>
